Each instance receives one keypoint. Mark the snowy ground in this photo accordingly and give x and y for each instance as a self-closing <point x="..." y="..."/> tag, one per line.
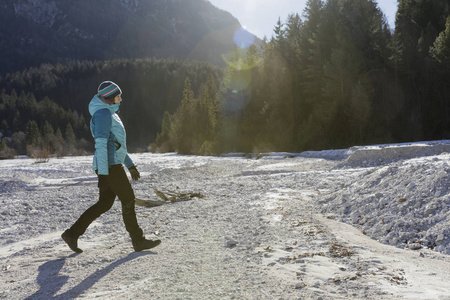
<point x="360" y="223"/>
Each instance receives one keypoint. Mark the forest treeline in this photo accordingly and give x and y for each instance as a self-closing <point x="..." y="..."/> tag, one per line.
<point x="46" y="108"/>
<point x="332" y="77"/>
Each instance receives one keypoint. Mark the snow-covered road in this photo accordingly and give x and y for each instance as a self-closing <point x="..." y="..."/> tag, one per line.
<point x="338" y="224"/>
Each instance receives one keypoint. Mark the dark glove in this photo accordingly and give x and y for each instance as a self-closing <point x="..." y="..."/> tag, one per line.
<point x="134" y="173"/>
<point x="103" y="182"/>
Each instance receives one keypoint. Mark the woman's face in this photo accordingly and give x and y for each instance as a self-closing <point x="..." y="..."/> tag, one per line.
<point x="117" y="99"/>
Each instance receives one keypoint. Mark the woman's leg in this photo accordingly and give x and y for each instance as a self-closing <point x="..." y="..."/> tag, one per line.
<point x="120" y="185"/>
<point x="71" y="235"/>
<point x="105" y="202"/>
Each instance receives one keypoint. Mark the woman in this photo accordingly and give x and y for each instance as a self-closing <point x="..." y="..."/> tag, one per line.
<point x="109" y="158"/>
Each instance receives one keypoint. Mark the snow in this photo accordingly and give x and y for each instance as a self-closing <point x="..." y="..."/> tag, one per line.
<point x="369" y="222"/>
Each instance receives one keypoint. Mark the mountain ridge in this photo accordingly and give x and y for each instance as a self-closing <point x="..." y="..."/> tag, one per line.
<point x="33" y="32"/>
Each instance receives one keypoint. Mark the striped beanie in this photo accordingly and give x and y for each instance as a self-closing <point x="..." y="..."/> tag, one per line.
<point x="108" y="90"/>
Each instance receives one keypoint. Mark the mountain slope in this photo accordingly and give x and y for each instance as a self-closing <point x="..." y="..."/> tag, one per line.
<point x="49" y="31"/>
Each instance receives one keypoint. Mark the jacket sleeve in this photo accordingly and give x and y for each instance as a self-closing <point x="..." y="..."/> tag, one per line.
<point x="128" y="161"/>
<point x="102" y="128"/>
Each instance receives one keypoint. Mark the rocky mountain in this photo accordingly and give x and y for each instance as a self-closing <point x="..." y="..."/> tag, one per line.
<point x="33" y="32"/>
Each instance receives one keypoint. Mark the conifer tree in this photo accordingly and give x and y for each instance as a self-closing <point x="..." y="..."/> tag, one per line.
<point x="47" y="129"/>
<point x="183" y="122"/>
<point x="70" y="136"/>
<point x="48" y="136"/>
<point x="4" y="125"/>
<point x="164" y="140"/>
<point x="208" y="116"/>
<point x="33" y="136"/>
<point x="440" y="50"/>
<point x="3" y="145"/>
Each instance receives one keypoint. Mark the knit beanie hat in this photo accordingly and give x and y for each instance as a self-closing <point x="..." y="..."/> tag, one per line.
<point x="108" y="90"/>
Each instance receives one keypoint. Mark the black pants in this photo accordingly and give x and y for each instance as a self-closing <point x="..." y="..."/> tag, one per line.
<point x="118" y="185"/>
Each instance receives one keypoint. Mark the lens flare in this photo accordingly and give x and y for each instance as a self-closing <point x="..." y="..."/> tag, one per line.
<point x="238" y="60"/>
<point x="242" y="38"/>
<point x="240" y="81"/>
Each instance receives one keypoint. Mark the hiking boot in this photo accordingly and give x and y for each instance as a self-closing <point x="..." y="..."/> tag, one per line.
<point x="144" y="244"/>
<point x="71" y="240"/>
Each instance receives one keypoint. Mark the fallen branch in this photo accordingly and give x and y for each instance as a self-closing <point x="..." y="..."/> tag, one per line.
<point x="149" y="203"/>
<point x="173" y="196"/>
<point x="168" y="196"/>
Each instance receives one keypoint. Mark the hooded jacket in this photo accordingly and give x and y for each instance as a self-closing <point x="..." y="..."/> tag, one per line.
<point x="109" y="136"/>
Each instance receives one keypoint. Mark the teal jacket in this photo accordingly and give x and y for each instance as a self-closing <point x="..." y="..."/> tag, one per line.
<point x="109" y="135"/>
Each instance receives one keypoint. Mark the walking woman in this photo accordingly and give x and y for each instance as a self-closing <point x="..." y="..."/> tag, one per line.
<point x="109" y="158"/>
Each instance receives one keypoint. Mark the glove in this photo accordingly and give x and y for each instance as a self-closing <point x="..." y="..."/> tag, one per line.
<point x="103" y="182"/>
<point x="134" y="173"/>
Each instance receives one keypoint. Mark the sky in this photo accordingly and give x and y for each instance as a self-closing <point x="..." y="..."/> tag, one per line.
<point x="260" y="16"/>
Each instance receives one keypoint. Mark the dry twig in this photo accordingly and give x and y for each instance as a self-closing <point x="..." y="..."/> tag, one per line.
<point x="168" y="196"/>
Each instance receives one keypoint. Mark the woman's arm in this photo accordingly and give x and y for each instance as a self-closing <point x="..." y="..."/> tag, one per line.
<point x="128" y="161"/>
<point x="102" y="128"/>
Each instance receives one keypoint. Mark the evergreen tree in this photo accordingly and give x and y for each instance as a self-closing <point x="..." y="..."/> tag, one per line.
<point x="208" y="117"/>
<point x="47" y="129"/>
<point x="4" y="125"/>
<point x="70" y="136"/>
<point x="418" y="24"/>
<point x="19" y="142"/>
<point x="32" y="135"/>
<point x="440" y="50"/>
<point x="48" y="136"/>
<point x="58" y="143"/>
<point x="164" y="139"/>
<point x="184" y="123"/>
<point x="3" y="145"/>
<point x="193" y="129"/>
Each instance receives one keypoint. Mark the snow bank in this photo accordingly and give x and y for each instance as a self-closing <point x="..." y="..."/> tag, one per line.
<point x="400" y="197"/>
<point x="383" y="154"/>
<point x="258" y="233"/>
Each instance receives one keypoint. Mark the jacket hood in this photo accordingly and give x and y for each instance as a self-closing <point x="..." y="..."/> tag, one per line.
<point x="97" y="104"/>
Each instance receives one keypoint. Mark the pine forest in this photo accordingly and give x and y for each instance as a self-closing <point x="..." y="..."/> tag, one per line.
<point x="332" y="76"/>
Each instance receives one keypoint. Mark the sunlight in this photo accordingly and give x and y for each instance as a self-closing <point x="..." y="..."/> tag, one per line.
<point x="237" y="60"/>
<point x="250" y="6"/>
<point x="242" y="38"/>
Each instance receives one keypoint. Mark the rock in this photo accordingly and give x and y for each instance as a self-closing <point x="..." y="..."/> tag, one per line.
<point x="299" y="286"/>
<point x="355" y="218"/>
<point x="430" y="211"/>
<point x="231" y="243"/>
<point x="411" y="186"/>
<point x="415" y="246"/>
<point x="441" y="174"/>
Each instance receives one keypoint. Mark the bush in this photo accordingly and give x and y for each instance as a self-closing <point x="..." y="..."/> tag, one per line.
<point x="208" y="148"/>
<point x="41" y="155"/>
<point x="7" y="153"/>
